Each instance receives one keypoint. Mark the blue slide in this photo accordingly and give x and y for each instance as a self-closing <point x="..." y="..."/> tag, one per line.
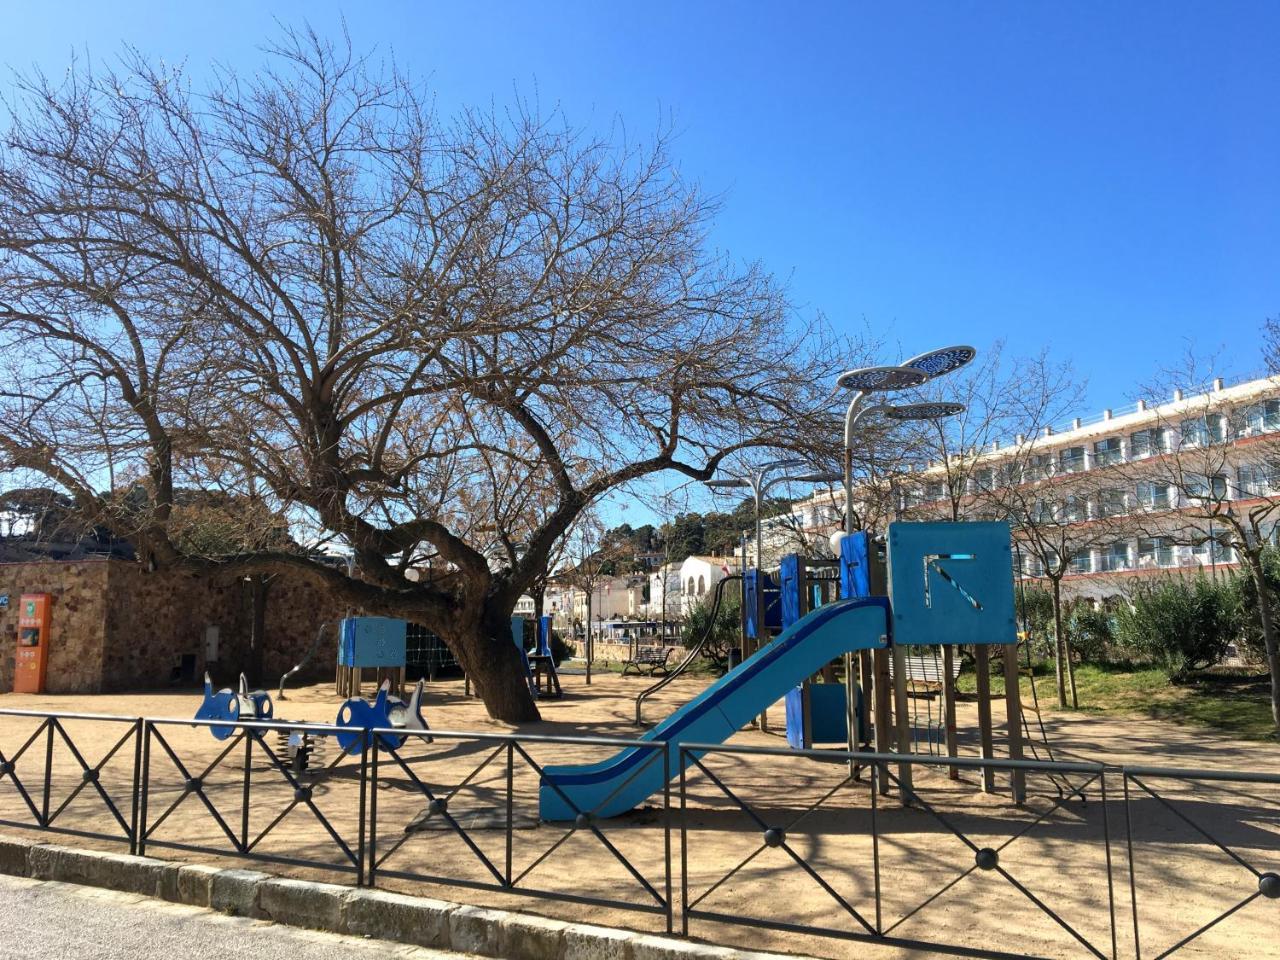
<point x="624" y="781"/>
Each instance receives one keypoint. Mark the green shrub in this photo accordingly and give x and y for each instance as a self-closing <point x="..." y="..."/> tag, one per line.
<point x="1091" y="632"/>
<point x="1182" y="625"/>
<point x="725" y="635"/>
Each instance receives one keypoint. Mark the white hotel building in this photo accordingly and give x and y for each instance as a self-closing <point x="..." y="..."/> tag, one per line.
<point x="1132" y="469"/>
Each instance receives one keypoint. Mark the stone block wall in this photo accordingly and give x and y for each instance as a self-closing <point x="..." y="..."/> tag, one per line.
<point x="78" y="620"/>
<point x="118" y="627"/>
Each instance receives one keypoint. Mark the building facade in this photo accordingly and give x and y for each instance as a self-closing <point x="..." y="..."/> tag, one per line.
<point x="1128" y="494"/>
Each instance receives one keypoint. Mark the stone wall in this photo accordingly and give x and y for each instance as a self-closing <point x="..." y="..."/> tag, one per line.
<point x="118" y="627"/>
<point x="78" y="620"/>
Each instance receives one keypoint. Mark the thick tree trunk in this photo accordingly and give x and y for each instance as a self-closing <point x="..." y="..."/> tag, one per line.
<point x="1059" y="645"/>
<point x="1269" y="640"/>
<point x="259" y="585"/>
<point x="485" y="651"/>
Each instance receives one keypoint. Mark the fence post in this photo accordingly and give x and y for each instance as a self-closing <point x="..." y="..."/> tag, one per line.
<point x="371" y="872"/>
<point x="684" y="843"/>
<point x="144" y="781"/>
<point x="361" y="866"/>
<point x="666" y="829"/>
<point x="137" y="771"/>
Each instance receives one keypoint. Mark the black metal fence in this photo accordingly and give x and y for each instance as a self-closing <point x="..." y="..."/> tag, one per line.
<point x="1101" y="861"/>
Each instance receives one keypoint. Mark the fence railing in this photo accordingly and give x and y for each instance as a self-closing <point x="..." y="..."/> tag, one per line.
<point x="1129" y="861"/>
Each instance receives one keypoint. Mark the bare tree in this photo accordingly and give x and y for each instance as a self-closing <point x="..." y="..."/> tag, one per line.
<point x="1058" y="517"/>
<point x="303" y="286"/>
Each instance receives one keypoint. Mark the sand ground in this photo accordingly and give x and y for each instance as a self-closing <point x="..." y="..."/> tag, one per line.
<point x="825" y="875"/>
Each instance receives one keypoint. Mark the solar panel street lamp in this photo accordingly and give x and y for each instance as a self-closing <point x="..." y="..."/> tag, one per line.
<point x="912" y="373"/>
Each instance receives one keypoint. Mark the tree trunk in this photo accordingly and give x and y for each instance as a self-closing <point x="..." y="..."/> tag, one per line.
<point x="1059" y="644"/>
<point x="1269" y="640"/>
<point x="259" y="584"/>
<point x="485" y="651"/>
<point x="1071" y="673"/>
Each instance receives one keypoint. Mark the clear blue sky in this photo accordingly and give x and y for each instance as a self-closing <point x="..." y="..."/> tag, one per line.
<point x="1099" y="178"/>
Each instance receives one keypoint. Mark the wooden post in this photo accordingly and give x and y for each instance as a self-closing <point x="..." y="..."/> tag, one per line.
<point x="880" y="660"/>
<point x="984" y="715"/>
<point x="949" y="706"/>
<point x="902" y="718"/>
<point x="1013" y="716"/>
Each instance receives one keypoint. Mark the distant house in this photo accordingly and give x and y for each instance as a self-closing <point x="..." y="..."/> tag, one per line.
<point x="699" y="576"/>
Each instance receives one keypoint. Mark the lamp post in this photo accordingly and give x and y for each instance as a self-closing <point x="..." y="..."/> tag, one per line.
<point x="868" y="380"/>
<point x="865" y="381"/>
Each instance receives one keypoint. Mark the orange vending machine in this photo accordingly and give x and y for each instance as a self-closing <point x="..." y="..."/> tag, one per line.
<point x="32" y="660"/>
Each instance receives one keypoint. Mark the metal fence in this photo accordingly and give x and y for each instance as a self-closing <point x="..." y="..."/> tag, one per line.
<point x="823" y="843"/>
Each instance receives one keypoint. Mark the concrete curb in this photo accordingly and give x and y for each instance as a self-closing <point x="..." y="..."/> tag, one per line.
<point x="354" y="911"/>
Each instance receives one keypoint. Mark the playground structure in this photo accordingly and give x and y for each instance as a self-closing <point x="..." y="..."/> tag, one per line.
<point x="539" y="664"/>
<point x="948" y="584"/>
<point x="378" y="643"/>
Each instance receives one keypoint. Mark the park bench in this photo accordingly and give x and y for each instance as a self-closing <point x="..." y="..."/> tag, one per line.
<point x="924" y="675"/>
<point x="655" y="658"/>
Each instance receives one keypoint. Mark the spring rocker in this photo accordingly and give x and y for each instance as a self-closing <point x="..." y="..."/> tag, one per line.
<point x="386" y="712"/>
<point x="232" y="706"/>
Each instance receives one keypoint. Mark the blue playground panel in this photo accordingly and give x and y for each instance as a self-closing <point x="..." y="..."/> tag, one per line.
<point x="789" y="589"/>
<point x="951" y="583"/>
<point x="372" y="642"/>
<point x="827" y="718"/>
<point x="751" y="581"/>
<point x="855" y="565"/>
<point x="620" y="783"/>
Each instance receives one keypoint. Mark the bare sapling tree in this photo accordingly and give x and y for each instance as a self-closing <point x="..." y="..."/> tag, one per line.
<point x="303" y="288"/>
<point x="991" y="462"/>
<point x="1207" y="479"/>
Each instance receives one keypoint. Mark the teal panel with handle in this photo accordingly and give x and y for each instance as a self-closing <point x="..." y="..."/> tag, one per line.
<point x="951" y="583"/>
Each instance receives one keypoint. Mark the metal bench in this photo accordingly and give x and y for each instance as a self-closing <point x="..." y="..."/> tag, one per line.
<point x="924" y="675"/>
<point x="655" y="658"/>
<point x="925" y="678"/>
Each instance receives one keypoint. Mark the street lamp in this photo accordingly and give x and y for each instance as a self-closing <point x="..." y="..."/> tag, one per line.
<point x="912" y="373"/>
<point x="759" y="483"/>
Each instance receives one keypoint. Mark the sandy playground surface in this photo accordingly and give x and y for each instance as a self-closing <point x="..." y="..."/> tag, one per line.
<point x="930" y="890"/>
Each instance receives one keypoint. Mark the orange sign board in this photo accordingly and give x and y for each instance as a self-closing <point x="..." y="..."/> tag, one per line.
<point x="31" y="663"/>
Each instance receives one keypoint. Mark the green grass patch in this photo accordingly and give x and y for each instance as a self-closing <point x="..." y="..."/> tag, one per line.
<point x="1233" y="703"/>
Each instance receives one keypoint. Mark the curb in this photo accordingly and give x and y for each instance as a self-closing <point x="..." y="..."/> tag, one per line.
<point x="422" y="922"/>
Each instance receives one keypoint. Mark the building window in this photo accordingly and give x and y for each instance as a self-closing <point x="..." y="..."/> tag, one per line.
<point x="1032" y="565"/>
<point x="1154" y="552"/>
<point x="1106" y="452"/>
<point x="1115" y="557"/>
<point x="1072" y="459"/>
<point x="1042" y="466"/>
<point x="1082" y="562"/>
<point x="1263" y="417"/>
<point x="702" y="586"/>
<point x="1111" y="503"/>
<point x="933" y="490"/>
<point x="1145" y="443"/>
<point x="1206" y="488"/>
<point x="1074" y="509"/>
<point x="984" y="480"/>
<point x="690" y="589"/>
<point x="1259" y="479"/>
<point x="1153" y="495"/>
<point x="1202" y="431"/>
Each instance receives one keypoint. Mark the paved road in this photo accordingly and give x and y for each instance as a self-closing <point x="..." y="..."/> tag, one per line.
<point x="63" y="921"/>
